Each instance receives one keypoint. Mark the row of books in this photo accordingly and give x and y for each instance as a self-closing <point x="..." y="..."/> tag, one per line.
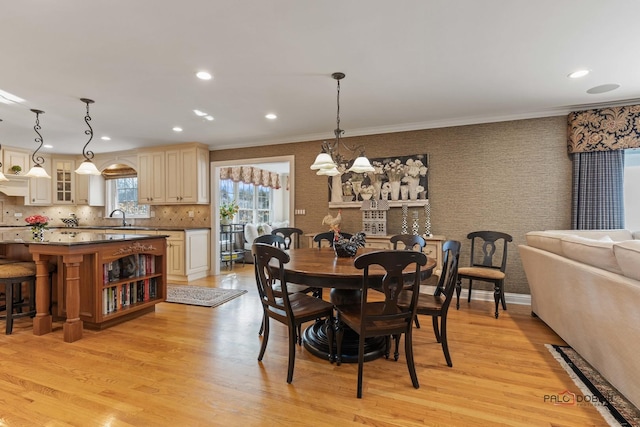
<point x="130" y="266"/>
<point x="116" y="298"/>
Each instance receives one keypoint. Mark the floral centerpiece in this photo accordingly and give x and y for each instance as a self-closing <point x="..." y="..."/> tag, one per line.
<point x="38" y="224"/>
<point x="394" y="170"/>
<point x="228" y="211"/>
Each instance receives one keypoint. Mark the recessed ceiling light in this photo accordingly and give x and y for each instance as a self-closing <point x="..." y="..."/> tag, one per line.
<point x="577" y="74"/>
<point x="271" y="116"/>
<point x="177" y="129"/>
<point x="199" y="113"/>
<point x="210" y="118"/>
<point x="203" y="75"/>
<point x="603" y="88"/>
<point x="105" y="138"/>
<point x="48" y="146"/>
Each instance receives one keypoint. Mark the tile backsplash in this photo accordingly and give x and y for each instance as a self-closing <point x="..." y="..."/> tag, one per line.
<point x="164" y="215"/>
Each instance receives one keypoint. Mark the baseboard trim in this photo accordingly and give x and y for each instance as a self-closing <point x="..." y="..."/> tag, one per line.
<point x="482" y="295"/>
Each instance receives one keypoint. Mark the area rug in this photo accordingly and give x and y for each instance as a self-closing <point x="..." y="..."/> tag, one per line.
<point x="200" y="295"/>
<point x="613" y="407"/>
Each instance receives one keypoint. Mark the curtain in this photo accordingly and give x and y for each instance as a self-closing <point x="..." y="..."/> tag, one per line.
<point x="251" y="175"/>
<point x="598" y="198"/>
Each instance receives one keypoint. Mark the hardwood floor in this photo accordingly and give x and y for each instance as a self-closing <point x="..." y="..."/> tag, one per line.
<point x="197" y="366"/>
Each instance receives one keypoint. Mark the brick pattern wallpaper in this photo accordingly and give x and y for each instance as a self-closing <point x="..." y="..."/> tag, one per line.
<point x="511" y="176"/>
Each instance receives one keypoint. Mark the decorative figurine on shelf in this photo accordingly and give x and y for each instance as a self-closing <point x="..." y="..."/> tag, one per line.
<point x="333" y="222"/>
<point x="427" y="219"/>
<point x="38" y="224"/>
<point x="405" y="214"/>
<point x="415" y="226"/>
<point x="228" y="211"/>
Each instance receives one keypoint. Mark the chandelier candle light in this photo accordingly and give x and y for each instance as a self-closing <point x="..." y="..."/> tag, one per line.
<point x="329" y="160"/>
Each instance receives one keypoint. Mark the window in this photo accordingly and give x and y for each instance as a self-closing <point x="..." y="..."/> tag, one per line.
<point x="632" y="189"/>
<point x="255" y="203"/>
<point x="122" y="193"/>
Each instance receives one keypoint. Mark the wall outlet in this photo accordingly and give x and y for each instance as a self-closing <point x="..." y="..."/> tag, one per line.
<point x="191" y="214"/>
<point x="17" y="214"/>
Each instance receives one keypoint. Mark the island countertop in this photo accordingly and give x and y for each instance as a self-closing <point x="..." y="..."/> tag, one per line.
<point x="65" y="237"/>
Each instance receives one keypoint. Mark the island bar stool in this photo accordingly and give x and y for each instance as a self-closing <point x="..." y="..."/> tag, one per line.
<point x="12" y="276"/>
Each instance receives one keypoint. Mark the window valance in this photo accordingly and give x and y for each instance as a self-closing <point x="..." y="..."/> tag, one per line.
<point x="614" y="128"/>
<point x="251" y="175"/>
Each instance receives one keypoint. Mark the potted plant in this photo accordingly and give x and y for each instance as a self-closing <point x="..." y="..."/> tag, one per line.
<point x="16" y="169"/>
<point x="228" y="211"/>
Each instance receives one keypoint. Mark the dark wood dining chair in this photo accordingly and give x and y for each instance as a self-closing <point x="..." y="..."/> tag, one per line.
<point x="291" y="236"/>
<point x="487" y="264"/>
<point x="409" y="241"/>
<point x="383" y="318"/>
<point x="279" y="242"/>
<point x="271" y="239"/>
<point x="437" y="305"/>
<point x="291" y="310"/>
<point x="329" y="236"/>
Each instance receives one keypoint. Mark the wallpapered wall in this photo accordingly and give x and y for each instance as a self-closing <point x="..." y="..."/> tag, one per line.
<point x="509" y="176"/>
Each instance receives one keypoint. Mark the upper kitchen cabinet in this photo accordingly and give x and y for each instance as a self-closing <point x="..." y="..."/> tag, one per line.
<point x="64" y="180"/>
<point x="40" y="188"/>
<point x="151" y="177"/>
<point x="15" y="157"/>
<point x="187" y="174"/>
<point x="90" y="190"/>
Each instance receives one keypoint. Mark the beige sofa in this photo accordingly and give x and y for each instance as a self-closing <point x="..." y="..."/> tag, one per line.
<point x="586" y="286"/>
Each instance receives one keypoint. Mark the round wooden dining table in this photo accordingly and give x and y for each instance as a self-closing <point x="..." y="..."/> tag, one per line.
<point x="320" y="267"/>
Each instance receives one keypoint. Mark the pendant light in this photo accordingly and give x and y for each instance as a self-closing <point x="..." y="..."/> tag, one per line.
<point x="329" y="159"/>
<point x="37" y="171"/>
<point x="87" y="167"/>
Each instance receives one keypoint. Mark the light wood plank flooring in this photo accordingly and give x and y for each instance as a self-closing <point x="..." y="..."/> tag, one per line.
<point x="196" y="366"/>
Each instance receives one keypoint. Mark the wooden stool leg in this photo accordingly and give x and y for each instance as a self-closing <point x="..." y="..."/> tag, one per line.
<point x="9" y="303"/>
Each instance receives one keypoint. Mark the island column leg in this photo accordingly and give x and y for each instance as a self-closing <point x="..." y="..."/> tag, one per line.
<point x="72" y="328"/>
<point x="42" y="323"/>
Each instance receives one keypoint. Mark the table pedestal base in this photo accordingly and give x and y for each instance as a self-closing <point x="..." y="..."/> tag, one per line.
<point x="317" y="343"/>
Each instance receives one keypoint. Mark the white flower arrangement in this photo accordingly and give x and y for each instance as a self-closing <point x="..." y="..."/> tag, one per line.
<point x="394" y="170"/>
<point x="415" y="168"/>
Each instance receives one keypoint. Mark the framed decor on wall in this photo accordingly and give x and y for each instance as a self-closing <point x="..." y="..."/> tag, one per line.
<point x="399" y="180"/>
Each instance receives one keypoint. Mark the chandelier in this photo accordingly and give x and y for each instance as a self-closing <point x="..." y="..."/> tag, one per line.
<point x="330" y="159"/>
<point x="37" y="171"/>
<point x="87" y="167"/>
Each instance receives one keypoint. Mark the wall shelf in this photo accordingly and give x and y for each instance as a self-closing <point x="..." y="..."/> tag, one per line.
<point x="392" y="204"/>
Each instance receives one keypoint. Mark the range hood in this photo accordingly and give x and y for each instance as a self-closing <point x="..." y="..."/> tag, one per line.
<point x="16" y="186"/>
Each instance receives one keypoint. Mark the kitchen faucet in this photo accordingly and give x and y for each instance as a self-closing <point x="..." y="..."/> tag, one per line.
<point x="124" y="217"/>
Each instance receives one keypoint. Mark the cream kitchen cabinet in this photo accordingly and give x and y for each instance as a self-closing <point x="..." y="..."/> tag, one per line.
<point x="187" y="254"/>
<point x="187" y="175"/>
<point x="40" y="188"/>
<point x="64" y="180"/>
<point x="151" y="178"/>
<point x="15" y="157"/>
<point x="90" y="190"/>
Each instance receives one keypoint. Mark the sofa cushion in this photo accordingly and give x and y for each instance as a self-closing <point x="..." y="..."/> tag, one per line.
<point x="250" y="233"/>
<point x="598" y="253"/>
<point x="546" y="240"/>
<point x="627" y="254"/>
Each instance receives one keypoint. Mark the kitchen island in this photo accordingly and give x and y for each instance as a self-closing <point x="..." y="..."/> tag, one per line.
<point x="100" y="279"/>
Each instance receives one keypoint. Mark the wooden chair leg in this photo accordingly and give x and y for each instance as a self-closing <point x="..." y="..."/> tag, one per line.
<point x="339" y="330"/>
<point x="360" y="365"/>
<point x="9" y="304"/>
<point x="496" y="296"/>
<point x="408" y="349"/>
<point x="470" y="286"/>
<point x="458" y="290"/>
<point x="445" y="344"/>
<point x="436" y="328"/>
<point x="265" y="337"/>
<point x="417" y="322"/>
<point x="292" y="352"/>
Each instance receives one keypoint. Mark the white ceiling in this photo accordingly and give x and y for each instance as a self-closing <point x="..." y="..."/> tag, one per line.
<point x="410" y="64"/>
